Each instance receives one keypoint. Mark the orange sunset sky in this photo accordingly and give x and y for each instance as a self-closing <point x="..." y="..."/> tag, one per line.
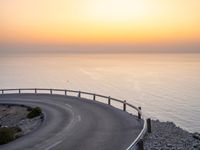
<point x="100" y="22"/>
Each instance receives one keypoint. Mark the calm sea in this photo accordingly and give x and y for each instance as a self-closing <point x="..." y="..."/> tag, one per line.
<point x="166" y="86"/>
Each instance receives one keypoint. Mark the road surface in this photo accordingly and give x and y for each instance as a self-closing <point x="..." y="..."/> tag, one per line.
<point x="74" y="124"/>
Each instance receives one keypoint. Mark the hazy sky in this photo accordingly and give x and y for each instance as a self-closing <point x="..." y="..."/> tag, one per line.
<point x="100" y="24"/>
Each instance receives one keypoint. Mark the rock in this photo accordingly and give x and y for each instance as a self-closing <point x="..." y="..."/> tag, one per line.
<point x="196" y="136"/>
<point x="167" y="136"/>
<point x="197" y="146"/>
<point x="169" y="145"/>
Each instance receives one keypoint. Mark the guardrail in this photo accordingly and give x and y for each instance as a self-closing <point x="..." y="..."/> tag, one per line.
<point x="137" y="144"/>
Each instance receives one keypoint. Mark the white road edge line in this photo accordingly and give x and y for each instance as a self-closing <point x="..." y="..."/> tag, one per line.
<point x="53" y="145"/>
<point x="68" y="105"/>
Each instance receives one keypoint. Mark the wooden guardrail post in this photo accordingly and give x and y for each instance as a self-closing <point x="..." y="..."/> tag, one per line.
<point x="79" y="94"/>
<point x="19" y="91"/>
<point x="2" y="91"/>
<point x="140" y="145"/>
<point x="139" y="115"/>
<point x="109" y="100"/>
<point x="65" y="92"/>
<point x="149" y="125"/>
<point x="94" y="97"/>
<point x="124" y="106"/>
<point x="35" y="91"/>
<point x="51" y="91"/>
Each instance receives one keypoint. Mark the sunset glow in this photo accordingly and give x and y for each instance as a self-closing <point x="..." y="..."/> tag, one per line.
<point x="99" y="21"/>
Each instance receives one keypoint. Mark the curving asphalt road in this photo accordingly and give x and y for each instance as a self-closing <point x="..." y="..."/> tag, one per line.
<point x="75" y="124"/>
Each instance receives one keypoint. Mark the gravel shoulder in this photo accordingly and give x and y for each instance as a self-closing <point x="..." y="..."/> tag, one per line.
<point x="167" y="136"/>
<point x="16" y="116"/>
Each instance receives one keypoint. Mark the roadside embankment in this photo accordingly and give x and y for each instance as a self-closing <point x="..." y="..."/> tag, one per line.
<point x="167" y="136"/>
<point x="15" y="121"/>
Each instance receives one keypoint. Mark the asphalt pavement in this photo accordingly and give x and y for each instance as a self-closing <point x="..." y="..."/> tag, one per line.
<point x="72" y="123"/>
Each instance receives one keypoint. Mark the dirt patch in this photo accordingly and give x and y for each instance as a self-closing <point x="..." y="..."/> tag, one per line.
<point x="12" y="116"/>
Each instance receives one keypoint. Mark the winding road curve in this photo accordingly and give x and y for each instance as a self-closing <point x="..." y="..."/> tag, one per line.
<point x="73" y="123"/>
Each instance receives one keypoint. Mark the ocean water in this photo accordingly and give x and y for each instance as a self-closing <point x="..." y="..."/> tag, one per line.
<point x="166" y="86"/>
